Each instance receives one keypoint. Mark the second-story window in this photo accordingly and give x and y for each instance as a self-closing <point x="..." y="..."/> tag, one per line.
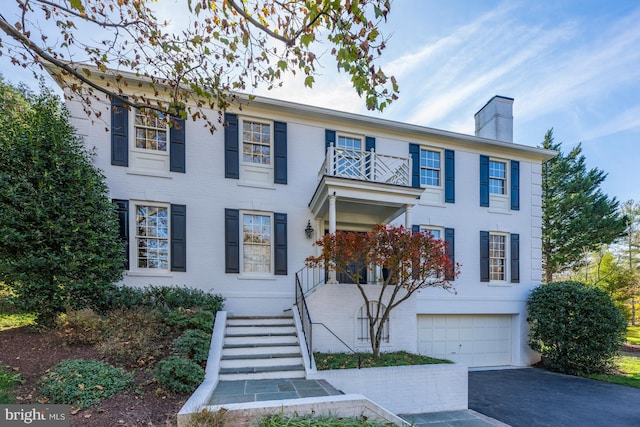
<point x="151" y="130"/>
<point x="256" y="142"/>
<point x="349" y="156"/>
<point x="497" y="177"/>
<point x="430" y="168"/>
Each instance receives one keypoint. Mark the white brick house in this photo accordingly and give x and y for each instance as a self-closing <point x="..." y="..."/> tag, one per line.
<point x="227" y="213"/>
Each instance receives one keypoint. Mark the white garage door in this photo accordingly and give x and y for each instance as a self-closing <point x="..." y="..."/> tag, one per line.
<point x="475" y="340"/>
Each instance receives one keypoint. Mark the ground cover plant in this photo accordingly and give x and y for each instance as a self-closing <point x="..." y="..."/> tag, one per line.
<point x="633" y="335"/>
<point x="326" y="361"/>
<point x="627" y="372"/>
<point x="280" y="420"/>
<point x="8" y="382"/>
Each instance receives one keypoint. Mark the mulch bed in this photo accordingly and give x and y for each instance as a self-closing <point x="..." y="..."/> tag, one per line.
<point x="32" y="353"/>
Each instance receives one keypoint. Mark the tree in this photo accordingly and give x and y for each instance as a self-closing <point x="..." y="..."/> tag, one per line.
<point x="631" y="244"/>
<point x="577" y="328"/>
<point x="226" y="46"/>
<point x="576" y="215"/>
<point x="412" y="261"/>
<point x="617" y="280"/>
<point x="59" y="239"/>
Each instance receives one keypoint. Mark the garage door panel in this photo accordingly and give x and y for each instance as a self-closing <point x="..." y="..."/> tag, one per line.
<point x="476" y="340"/>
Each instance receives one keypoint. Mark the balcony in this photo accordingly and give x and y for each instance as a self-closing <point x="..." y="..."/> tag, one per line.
<point x="366" y="166"/>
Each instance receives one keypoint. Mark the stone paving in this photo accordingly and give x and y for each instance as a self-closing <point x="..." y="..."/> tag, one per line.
<point x="451" y="419"/>
<point x="277" y="389"/>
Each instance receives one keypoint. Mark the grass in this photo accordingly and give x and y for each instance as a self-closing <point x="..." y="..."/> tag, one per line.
<point x="633" y="334"/>
<point x="313" y="421"/>
<point x="326" y="361"/>
<point x="629" y="375"/>
<point x="8" y="321"/>
<point x="8" y="382"/>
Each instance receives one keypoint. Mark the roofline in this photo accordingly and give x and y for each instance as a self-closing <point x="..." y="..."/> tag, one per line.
<point x="297" y="108"/>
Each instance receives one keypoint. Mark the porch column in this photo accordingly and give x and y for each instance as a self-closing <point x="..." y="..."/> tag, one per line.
<point x="407" y="217"/>
<point x="332" y="229"/>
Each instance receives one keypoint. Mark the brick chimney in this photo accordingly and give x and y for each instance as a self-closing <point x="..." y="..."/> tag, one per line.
<point x="495" y="119"/>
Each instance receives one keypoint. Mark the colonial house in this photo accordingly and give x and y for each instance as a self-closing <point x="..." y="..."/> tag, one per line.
<point x="237" y="212"/>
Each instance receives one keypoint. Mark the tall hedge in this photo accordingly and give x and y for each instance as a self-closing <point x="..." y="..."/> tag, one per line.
<point x="59" y="241"/>
<point x="577" y="328"/>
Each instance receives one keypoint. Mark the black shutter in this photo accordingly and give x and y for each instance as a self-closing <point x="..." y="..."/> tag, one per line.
<point x="449" y="176"/>
<point x="484" y="181"/>
<point x="122" y="208"/>
<point x="414" y="152"/>
<point x="177" y="140"/>
<point x="280" y="243"/>
<point x="329" y="138"/>
<point x="515" y="258"/>
<point x="484" y="256"/>
<point x="515" y="185"/>
<point x="449" y="238"/>
<point x="279" y="152"/>
<point x="119" y="133"/>
<point x="178" y="238"/>
<point x="415" y="228"/>
<point x="231" y="241"/>
<point x="231" y="151"/>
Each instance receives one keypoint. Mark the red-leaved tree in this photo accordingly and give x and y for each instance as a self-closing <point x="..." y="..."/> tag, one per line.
<point x="410" y="261"/>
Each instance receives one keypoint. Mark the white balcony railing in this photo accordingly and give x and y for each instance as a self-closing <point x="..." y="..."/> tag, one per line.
<point x="366" y="166"/>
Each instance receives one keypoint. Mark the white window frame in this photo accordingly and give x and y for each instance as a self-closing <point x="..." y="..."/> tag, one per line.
<point x="269" y="273"/>
<point x="357" y="162"/>
<point x="440" y="169"/>
<point x="506" y="259"/>
<point x="135" y="267"/>
<point x="362" y="337"/>
<point x="505" y="179"/>
<point x="144" y="160"/>
<point x="500" y="203"/>
<point x="146" y="127"/>
<point x="256" y="174"/>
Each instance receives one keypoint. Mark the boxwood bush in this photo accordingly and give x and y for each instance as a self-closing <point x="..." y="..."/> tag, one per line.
<point x="576" y="328"/>
<point x="179" y="374"/>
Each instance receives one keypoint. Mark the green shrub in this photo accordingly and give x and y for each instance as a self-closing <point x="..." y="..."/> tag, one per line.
<point x="193" y="344"/>
<point x="184" y="319"/>
<point x="134" y="337"/>
<point x="163" y="298"/>
<point x="82" y="383"/>
<point x="281" y="420"/>
<point x="81" y="327"/>
<point x="8" y="382"/>
<point x="179" y="374"/>
<point x="577" y="328"/>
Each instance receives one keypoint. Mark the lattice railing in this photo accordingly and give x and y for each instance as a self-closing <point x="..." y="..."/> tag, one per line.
<point x="367" y="166"/>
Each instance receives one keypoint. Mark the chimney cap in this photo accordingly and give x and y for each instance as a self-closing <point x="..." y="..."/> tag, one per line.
<point x="496" y="97"/>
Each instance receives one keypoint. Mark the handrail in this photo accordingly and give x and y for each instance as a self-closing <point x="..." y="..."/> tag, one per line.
<point x="344" y="343"/>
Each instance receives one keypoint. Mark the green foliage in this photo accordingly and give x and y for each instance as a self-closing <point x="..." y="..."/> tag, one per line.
<point x="179" y="374"/>
<point x="8" y="382"/>
<point x="134" y="337"/>
<point x="193" y="344"/>
<point x="81" y="327"/>
<point x="577" y="216"/>
<point x="164" y="298"/>
<point x="617" y="280"/>
<point x="281" y="420"/>
<point x="190" y="319"/>
<point x="633" y="335"/>
<point x="205" y="418"/>
<point x="82" y="383"/>
<point x="577" y="328"/>
<point x="59" y="242"/>
<point x="18" y="320"/>
<point x="326" y="361"/>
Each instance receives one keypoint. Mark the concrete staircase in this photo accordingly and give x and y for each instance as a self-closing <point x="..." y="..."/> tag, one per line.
<point x="260" y="348"/>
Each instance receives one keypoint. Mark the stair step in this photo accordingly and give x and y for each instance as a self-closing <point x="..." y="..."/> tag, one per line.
<point x="251" y="363"/>
<point x="259" y="330"/>
<point x="257" y="349"/>
<point x="259" y="356"/>
<point x="252" y="321"/>
<point x="251" y="339"/>
<point x="262" y="376"/>
<point x="258" y="334"/>
<point x="261" y="369"/>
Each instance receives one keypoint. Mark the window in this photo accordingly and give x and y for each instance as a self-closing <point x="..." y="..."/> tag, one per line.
<point x="150" y="130"/>
<point x="363" y="323"/>
<point x="430" y="168"/>
<point x="497" y="257"/>
<point x="256" y="142"/>
<point x="497" y="177"/>
<point x="152" y="236"/>
<point x="349" y="156"/>
<point x="256" y="243"/>
<point x="435" y="232"/>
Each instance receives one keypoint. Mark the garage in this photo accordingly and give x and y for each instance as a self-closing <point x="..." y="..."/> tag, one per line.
<point x="472" y="339"/>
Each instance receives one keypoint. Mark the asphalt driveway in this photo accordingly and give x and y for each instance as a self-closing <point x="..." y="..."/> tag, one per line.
<point x="533" y="397"/>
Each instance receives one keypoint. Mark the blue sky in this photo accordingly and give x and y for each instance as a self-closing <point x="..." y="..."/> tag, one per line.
<point x="573" y="65"/>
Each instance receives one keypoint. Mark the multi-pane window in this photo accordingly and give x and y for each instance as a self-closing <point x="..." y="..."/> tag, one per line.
<point x="497" y="177"/>
<point x="150" y="130"/>
<point x="256" y="243"/>
<point x="430" y="168"/>
<point x="497" y="257"/>
<point x="435" y="232"/>
<point x="256" y="142"/>
<point x="363" y="323"/>
<point x="152" y="236"/>
<point x="349" y="156"/>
